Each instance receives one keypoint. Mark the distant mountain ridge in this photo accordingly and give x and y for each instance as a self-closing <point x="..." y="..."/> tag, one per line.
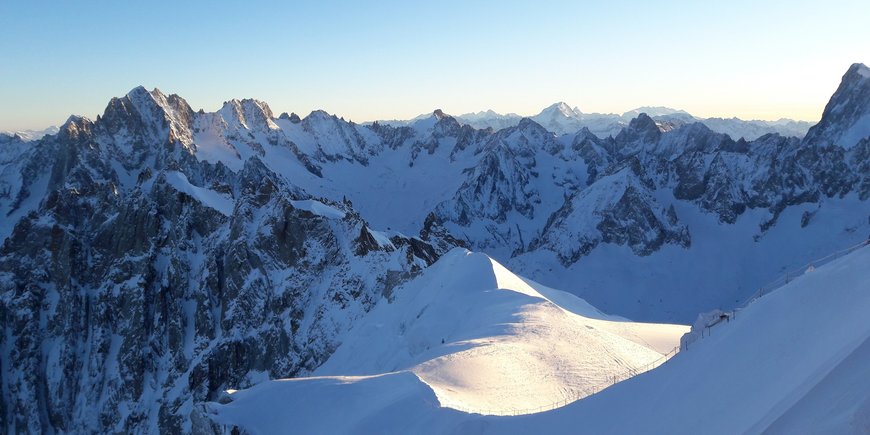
<point x="560" y="118"/>
<point x="30" y="135"/>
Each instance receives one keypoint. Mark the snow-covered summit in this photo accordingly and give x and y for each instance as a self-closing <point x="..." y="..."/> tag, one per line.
<point x="560" y="108"/>
<point x="862" y="69"/>
<point x="559" y="118"/>
<point x="248" y="114"/>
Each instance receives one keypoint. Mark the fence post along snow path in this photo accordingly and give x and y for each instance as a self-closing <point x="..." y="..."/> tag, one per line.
<point x="707" y="321"/>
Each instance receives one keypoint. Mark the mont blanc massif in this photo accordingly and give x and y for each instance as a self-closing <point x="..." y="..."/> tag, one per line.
<point x="170" y="270"/>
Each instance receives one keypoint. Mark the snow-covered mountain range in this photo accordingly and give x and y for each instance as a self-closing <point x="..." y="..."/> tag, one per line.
<point x="157" y="256"/>
<point x="561" y="119"/>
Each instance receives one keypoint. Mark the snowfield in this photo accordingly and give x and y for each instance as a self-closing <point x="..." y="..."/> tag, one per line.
<point x="793" y="361"/>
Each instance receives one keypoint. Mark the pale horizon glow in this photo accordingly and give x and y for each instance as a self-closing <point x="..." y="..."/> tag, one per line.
<point x="397" y="60"/>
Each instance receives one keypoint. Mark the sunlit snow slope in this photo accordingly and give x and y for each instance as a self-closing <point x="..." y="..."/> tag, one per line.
<point x="795" y="360"/>
<point x="469" y="334"/>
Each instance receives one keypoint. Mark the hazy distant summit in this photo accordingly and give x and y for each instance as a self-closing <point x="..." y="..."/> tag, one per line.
<point x="560" y="118"/>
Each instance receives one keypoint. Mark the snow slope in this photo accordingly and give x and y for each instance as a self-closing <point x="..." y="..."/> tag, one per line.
<point x="502" y="339"/>
<point x="484" y="340"/>
<point x="793" y="361"/>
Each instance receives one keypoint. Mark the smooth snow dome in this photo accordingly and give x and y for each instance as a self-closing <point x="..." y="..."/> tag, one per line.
<point x="492" y="323"/>
<point x="479" y="338"/>
<point x="790" y="362"/>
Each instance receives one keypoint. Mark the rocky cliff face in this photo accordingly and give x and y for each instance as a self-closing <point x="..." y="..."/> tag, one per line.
<point x="846" y="119"/>
<point x="689" y="163"/>
<point x="127" y="299"/>
<point x="620" y="209"/>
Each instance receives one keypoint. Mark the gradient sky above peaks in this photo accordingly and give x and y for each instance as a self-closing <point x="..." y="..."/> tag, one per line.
<point x="388" y="60"/>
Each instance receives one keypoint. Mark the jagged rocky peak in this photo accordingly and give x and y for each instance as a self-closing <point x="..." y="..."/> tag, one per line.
<point x="292" y="117"/>
<point x="846" y="119"/>
<point x="560" y="119"/>
<point x="318" y="118"/>
<point x="433" y="232"/>
<point x="439" y="114"/>
<point x="585" y="134"/>
<point x="445" y="123"/>
<point x="641" y="130"/>
<point x="643" y="123"/>
<point x="529" y="136"/>
<point x="173" y="107"/>
<point x="76" y="126"/>
<point x="439" y="123"/>
<point x="620" y="209"/>
<point x="591" y="149"/>
<point x="529" y="123"/>
<point x="498" y="184"/>
<point x="319" y="122"/>
<point x="695" y="136"/>
<point x="560" y="109"/>
<point x="861" y="69"/>
<point x="151" y="116"/>
<point x="248" y="113"/>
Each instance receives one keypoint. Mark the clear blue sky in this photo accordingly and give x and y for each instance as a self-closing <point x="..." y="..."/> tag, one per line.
<point x="390" y="59"/>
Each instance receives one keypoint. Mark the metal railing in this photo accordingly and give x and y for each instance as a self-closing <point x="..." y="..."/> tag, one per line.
<point x="791" y="275"/>
<point x="777" y="284"/>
